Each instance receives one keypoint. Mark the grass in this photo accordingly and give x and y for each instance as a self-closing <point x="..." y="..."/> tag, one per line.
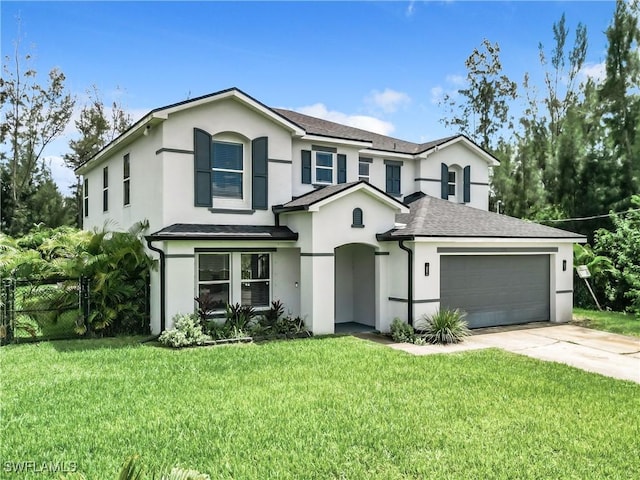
<point x="335" y="407"/>
<point x="615" y="322"/>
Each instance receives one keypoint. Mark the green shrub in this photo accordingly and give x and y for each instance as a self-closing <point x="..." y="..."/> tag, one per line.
<point x="187" y="331"/>
<point x="445" y="326"/>
<point x="402" y="331"/>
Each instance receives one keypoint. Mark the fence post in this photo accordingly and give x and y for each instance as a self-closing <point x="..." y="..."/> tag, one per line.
<point x="84" y="300"/>
<point x="7" y="319"/>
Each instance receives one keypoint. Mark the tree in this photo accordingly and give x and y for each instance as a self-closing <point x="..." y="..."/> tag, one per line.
<point x="32" y="117"/>
<point x="96" y="128"/>
<point x="562" y="77"/>
<point x="622" y="245"/>
<point x="484" y="108"/>
<point x="620" y="98"/>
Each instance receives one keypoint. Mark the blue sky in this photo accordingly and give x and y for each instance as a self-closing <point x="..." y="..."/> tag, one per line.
<point x="376" y="65"/>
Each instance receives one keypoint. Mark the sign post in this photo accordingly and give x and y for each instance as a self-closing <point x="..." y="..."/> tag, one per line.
<point x="583" y="272"/>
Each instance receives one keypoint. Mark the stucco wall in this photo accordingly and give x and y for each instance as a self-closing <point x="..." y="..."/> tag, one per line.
<point x="145" y="190"/>
<point x="429" y="171"/>
<point x="227" y="120"/>
<point x="181" y="274"/>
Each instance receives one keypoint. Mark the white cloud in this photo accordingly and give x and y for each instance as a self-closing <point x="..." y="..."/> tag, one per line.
<point x="364" y="122"/>
<point x="457" y="80"/>
<point x="437" y="94"/>
<point x="595" y="71"/>
<point x="453" y="84"/>
<point x="61" y="174"/>
<point x="388" y="100"/>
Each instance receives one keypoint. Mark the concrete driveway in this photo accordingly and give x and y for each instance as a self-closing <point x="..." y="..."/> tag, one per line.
<point x="609" y="354"/>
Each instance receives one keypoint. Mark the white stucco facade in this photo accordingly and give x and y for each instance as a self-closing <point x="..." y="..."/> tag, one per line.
<point x="333" y="271"/>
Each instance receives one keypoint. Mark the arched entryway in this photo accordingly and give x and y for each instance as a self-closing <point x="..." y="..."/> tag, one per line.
<point x="355" y="286"/>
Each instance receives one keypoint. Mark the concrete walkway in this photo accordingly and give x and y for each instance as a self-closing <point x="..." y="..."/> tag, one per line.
<point x="609" y="354"/>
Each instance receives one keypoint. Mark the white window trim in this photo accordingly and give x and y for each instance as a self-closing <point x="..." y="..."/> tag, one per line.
<point x="364" y="177"/>
<point x="458" y="172"/>
<point x="235" y="280"/>
<point x="333" y="168"/>
<point x="105" y="189"/>
<point x="126" y="180"/>
<point x="235" y="203"/>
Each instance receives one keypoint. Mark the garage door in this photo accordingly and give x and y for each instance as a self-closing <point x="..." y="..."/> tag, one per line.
<point x="496" y="289"/>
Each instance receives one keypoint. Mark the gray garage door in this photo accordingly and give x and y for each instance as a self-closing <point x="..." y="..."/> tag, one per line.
<point x="496" y="289"/>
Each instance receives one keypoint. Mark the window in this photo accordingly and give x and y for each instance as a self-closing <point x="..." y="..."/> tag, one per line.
<point x="255" y="279"/>
<point x="126" y="181"/>
<point x="324" y="167"/>
<point x="227" y="164"/>
<point x="86" y="197"/>
<point x="452" y="183"/>
<point x="214" y="279"/>
<point x="363" y="169"/>
<point x="393" y="177"/>
<point x="357" y="218"/>
<point x="219" y="278"/>
<point x="105" y="189"/>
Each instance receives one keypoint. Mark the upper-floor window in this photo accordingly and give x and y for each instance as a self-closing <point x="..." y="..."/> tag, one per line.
<point x="324" y="162"/>
<point x="364" y="166"/>
<point x="227" y="165"/>
<point x="126" y="181"/>
<point x="231" y="172"/>
<point x="105" y="189"/>
<point x="452" y="183"/>
<point x="393" y="169"/>
<point x="323" y="165"/>
<point x="86" y="197"/>
<point x="456" y="183"/>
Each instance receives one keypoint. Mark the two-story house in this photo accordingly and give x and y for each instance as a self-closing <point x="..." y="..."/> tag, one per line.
<point x="251" y="204"/>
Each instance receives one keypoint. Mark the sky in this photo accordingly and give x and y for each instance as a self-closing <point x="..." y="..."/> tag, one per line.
<point x="381" y="66"/>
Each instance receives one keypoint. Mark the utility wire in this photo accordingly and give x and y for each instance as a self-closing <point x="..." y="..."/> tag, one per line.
<point x="592" y="217"/>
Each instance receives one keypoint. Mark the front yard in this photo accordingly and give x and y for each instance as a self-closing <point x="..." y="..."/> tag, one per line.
<point x="317" y="408"/>
<point x="615" y="322"/>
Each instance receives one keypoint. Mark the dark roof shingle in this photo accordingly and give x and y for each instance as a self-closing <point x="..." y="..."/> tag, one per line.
<point x="325" y="128"/>
<point x="224" y="232"/>
<point x="433" y="217"/>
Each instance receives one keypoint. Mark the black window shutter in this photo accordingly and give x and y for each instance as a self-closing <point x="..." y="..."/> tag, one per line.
<point x="260" y="173"/>
<point x="342" y="168"/>
<point x="389" y="186"/>
<point x="467" y="184"/>
<point x="444" y="182"/>
<point x="393" y="179"/>
<point x="306" y="166"/>
<point x="202" y="168"/>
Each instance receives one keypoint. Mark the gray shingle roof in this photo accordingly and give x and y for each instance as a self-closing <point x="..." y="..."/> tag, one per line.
<point x="325" y="128"/>
<point x="314" y="196"/>
<point x="224" y="232"/>
<point x="433" y="217"/>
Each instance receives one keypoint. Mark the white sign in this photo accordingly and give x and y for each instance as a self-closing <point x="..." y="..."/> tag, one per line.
<point x="583" y="271"/>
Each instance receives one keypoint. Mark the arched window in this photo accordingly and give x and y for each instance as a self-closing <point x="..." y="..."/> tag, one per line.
<point x="357" y="218"/>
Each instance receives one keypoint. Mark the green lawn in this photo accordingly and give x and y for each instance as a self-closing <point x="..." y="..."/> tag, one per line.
<point x="318" y="408"/>
<point x="615" y="322"/>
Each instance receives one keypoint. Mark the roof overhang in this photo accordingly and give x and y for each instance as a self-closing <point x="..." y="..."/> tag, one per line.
<point x="387" y="154"/>
<point x="361" y="186"/>
<point x="223" y="232"/>
<point x="486" y="156"/>
<point x="397" y="235"/>
<point x="337" y="140"/>
<point x="161" y="114"/>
